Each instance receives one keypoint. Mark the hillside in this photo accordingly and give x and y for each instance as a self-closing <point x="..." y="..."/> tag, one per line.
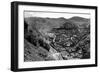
<point x="57" y="38"/>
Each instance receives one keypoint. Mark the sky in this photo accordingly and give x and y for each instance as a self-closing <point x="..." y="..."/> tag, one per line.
<point x="54" y="14"/>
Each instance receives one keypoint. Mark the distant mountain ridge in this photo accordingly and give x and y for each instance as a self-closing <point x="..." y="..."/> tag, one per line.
<point x="44" y="25"/>
<point x="76" y="18"/>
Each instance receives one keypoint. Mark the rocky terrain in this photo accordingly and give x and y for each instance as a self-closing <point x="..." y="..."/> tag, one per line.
<point x="47" y="39"/>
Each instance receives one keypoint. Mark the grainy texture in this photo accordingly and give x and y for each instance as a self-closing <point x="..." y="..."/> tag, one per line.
<point x="48" y="39"/>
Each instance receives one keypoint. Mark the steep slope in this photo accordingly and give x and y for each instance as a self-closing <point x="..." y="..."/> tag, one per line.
<point x="56" y="36"/>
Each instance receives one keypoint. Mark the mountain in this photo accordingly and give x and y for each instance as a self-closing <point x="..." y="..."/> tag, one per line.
<point x="44" y="34"/>
<point x="79" y="19"/>
<point x="80" y="22"/>
<point x="44" y="25"/>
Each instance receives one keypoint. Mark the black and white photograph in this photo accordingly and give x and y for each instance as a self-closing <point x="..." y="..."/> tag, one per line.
<point x="53" y="36"/>
<point x="47" y="36"/>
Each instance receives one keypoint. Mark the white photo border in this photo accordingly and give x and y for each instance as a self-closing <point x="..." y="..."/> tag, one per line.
<point x="22" y="64"/>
